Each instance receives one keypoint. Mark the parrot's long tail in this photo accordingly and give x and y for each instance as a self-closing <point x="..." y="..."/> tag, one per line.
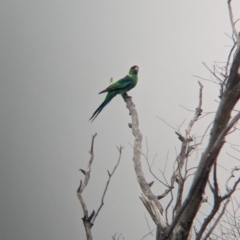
<point x="100" y="108"/>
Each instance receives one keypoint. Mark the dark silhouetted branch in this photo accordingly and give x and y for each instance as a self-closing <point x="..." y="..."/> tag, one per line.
<point x="220" y="128"/>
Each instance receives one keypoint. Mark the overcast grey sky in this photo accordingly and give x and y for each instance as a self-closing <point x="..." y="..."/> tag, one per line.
<point x="56" y="56"/>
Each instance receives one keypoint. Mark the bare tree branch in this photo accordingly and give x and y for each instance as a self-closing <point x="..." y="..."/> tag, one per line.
<point x="87" y="172"/>
<point x="185" y="150"/>
<point x="231" y="19"/>
<point x="150" y="231"/>
<point x="150" y="167"/>
<point x="216" y="221"/>
<point x="86" y="219"/>
<point x="167" y="123"/>
<point x="229" y="190"/>
<point x="108" y="181"/>
<point x="186" y="214"/>
<point x="114" y="236"/>
<point x="213" y="72"/>
<point x="217" y="201"/>
<point x="149" y="200"/>
<point x="89" y="220"/>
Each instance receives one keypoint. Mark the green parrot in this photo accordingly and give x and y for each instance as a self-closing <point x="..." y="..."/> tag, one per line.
<point x="122" y="86"/>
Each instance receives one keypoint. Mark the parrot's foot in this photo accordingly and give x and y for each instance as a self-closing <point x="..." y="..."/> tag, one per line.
<point x="125" y="95"/>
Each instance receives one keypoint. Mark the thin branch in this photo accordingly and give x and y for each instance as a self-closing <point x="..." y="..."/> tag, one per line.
<point x="217" y="220"/>
<point x="150" y="166"/>
<point x="228" y="127"/>
<point x="235" y="149"/>
<point x="167" y="123"/>
<point x="114" y="236"/>
<point x="87" y="172"/>
<point x="150" y="170"/>
<point x="230" y="191"/>
<point x="179" y="127"/>
<point x="86" y="219"/>
<point x="185" y="150"/>
<point x="108" y="181"/>
<point x="232" y="156"/>
<point x="219" y="130"/>
<point x="231" y="19"/>
<point x="150" y="231"/>
<point x="228" y="60"/>
<point x="168" y="205"/>
<point x="163" y="174"/>
<point x="204" y="79"/>
<point x="217" y="202"/>
<point x="203" y="136"/>
<point x="212" y="72"/>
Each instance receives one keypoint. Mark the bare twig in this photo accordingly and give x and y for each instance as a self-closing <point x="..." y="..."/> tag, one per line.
<point x="228" y="61"/>
<point x="217" y="220"/>
<point x="204" y="79"/>
<point x="184" y="153"/>
<point x="87" y="172"/>
<point x="108" y="181"/>
<point x="213" y="72"/>
<point x="114" y="236"/>
<point x="150" y="231"/>
<point x="229" y="190"/>
<point x="86" y="219"/>
<point x="231" y="19"/>
<point x="167" y="123"/>
<point x="217" y="202"/>
<point x="150" y="170"/>
<point x="168" y="205"/>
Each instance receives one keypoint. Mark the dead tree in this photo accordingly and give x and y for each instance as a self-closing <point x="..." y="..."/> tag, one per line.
<point x="186" y="210"/>
<point x="219" y="223"/>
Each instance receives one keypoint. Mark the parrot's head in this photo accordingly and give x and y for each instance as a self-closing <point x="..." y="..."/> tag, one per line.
<point x="134" y="70"/>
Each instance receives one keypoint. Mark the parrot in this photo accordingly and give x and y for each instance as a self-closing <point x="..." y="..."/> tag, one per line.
<point x="122" y="86"/>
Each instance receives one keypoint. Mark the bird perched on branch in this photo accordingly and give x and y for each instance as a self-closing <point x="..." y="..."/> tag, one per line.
<point x="122" y="86"/>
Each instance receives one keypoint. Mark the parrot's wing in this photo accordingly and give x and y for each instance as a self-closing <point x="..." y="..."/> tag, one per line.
<point x="120" y="84"/>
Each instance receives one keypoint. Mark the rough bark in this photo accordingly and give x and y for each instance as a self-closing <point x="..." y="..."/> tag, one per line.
<point x="182" y="223"/>
<point x="149" y="200"/>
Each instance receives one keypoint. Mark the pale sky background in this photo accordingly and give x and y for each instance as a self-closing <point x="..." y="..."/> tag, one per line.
<point x="55" y="57"/>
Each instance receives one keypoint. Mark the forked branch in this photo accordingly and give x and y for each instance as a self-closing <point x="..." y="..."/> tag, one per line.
<point x="108" y="181"/>
<point x="149" y="200"/>
<point x="88" y="220"/>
